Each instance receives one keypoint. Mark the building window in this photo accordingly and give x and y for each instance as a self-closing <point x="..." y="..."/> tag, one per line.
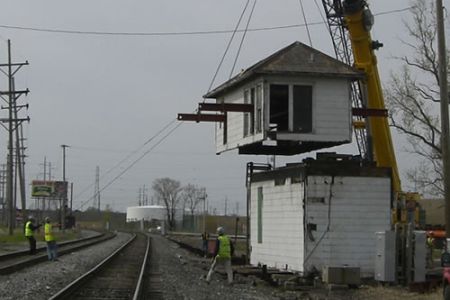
<point x="279" y="106"/>
<point x="302" y="108"/>
<point x="225" y="131"/>
<point x="252" y="115"/>
<point x="291" y="108"/>
<point x="246" y="115"/>
<point x="258" y="108"/>
<point x="260" y="211"/>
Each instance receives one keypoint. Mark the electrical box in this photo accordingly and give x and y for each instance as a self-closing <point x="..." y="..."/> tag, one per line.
<point x="385" y="256"/>
<point x="419" y="256"/>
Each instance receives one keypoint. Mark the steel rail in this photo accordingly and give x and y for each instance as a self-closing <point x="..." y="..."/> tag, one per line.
<point x="10" y="255"/>
<point x="32" y="260"/>
<point x="66" y="292"/>
<point x="138" y="291"/>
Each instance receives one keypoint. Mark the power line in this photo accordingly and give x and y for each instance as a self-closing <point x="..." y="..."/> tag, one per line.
<point x="134" y="162"/>
<point x="177" y="33"/>
<point x="128" y="156"/>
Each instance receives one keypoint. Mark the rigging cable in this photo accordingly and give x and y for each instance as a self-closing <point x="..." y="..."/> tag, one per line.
<point x="306" y="22"/>
<point x="242" y="40"/>
<point x="228" y="46"/>
<point x="323" y="19"/>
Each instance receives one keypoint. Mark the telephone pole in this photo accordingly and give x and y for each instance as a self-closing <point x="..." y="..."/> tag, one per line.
<point x="97" y="188"/>
<point x="64" y="200"/>
<point x="13" y="124"/>
<point x="443" y="89"/>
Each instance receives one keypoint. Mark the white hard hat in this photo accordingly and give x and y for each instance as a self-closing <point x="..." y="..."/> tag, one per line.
<point x="220" y="230"/>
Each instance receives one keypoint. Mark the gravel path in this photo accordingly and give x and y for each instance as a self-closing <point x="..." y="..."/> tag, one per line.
<point x="183" y="277"/>
<point x="46" y="279"/>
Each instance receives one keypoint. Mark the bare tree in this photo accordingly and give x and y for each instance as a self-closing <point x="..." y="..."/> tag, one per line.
<point x="168" y="190"/>
<point x="412" y="96"/>
<point x="192" y="195"/>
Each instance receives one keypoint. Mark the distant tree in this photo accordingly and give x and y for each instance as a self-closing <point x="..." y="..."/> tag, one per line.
<point x="192" y="195"/>
<point x="167" y="191"/>
<point x="412" y="96"/>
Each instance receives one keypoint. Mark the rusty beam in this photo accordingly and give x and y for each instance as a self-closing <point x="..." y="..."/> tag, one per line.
<point x="201" y="117"/>
<point x="226" y="107"/>
<point x="369" y="112"/>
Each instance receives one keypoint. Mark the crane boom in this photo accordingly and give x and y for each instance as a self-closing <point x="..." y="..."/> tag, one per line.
<point x="358" y="20"/>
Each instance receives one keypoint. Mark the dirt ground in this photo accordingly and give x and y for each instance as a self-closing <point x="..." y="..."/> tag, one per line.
<point x="369" y="291"/>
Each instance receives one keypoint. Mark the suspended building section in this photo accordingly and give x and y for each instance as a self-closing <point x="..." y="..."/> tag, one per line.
<point x="294" y="101"/>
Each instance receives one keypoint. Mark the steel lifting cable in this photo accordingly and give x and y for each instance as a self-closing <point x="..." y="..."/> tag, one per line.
<point x="306" y="22"/>
<point x="228" y="46"/>
<point x="324" y="21"/>
<point x="242" y="39"/>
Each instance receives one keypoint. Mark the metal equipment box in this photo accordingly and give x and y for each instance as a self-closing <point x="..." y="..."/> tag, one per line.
<point x="420" y="253"/>
<point x="385" y="256"/>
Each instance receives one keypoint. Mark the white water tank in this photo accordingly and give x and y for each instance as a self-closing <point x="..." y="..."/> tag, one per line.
<point x="151" y="212"/>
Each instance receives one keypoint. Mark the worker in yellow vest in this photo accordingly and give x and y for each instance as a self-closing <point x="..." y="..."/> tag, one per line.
<point x="50" y="240"/>
<point x="222" y="256"/>
<point x="29" y="234"/>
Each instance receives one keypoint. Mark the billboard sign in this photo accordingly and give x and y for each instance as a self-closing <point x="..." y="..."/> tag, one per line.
<point x="49" y="189"/>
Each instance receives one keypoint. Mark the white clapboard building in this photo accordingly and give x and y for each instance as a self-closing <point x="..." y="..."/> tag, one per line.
<point x="300" y="101"/>
<point x="319" y="213"/>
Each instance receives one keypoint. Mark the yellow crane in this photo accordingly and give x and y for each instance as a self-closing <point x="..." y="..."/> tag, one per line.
<point x="354" y="18"/>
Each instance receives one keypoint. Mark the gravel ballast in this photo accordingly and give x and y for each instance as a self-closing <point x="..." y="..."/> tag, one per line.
<point x="46" y="279"/>
<point x="181" y="276"/>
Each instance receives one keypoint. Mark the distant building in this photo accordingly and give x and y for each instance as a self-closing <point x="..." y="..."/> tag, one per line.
<point x="318" y="213"/>
<point x="301" y="102"/>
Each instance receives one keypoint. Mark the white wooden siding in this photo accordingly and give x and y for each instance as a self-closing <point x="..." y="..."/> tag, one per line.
<point x="331" y="113"/>
<point x="235" y="123"/>
<point x="282" y="224"/>
<point x="360" y="206"/>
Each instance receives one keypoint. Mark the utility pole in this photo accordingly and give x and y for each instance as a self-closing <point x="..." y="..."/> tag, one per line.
<point x="204" y="210"/>
<point x="2" y="191"/>
<point x="64" y="200"/>
<point x="97" y="188"/>
<point x="20" y="157"/>
<point x="226" y="202"/>
<point x="443" y="89"/>
<point x="12" y="122"/>
<point x="139" y="196"/>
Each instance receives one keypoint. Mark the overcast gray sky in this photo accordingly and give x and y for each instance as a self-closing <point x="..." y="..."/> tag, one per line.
<point x="106" y="95"/>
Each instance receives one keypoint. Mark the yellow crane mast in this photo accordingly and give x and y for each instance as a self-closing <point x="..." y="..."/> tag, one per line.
<point x="358" y="21"/>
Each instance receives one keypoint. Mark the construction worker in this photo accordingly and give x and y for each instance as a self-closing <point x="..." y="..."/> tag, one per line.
<point x="222" y="255"/>
<point x="29" y="234"/>
<point x="50" y="240"/>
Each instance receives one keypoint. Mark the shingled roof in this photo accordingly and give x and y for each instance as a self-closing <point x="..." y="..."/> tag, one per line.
<point x="293" y="60"/>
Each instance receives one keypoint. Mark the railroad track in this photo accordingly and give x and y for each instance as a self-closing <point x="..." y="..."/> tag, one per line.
<point x="12" y="262"/>
<point x="119" y="276"/>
